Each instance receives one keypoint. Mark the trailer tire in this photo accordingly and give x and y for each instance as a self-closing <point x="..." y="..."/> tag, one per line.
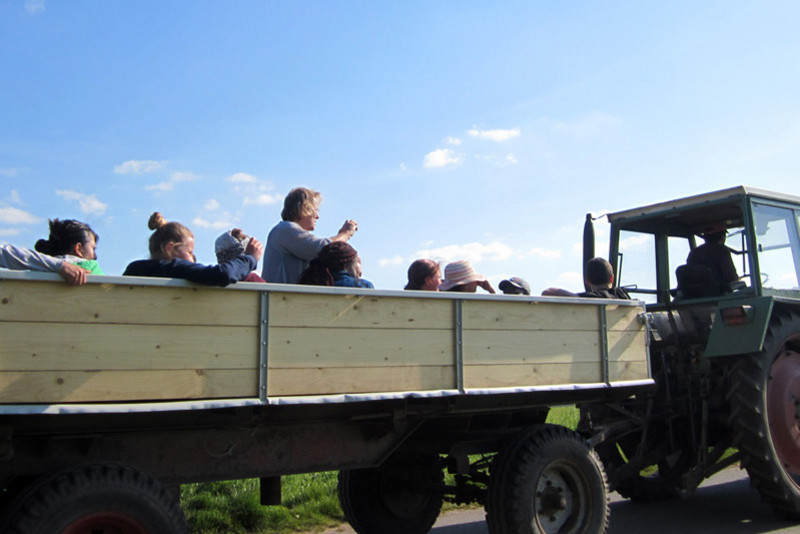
<point x="97" y="499"/>
<point x="547" y="480"/>
<point x="402" y="496"/>
<point x="764" y="392"/>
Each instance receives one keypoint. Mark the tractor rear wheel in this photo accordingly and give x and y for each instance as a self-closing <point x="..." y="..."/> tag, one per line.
<point x="764" y="396"/>
<point x="94" y="499"/>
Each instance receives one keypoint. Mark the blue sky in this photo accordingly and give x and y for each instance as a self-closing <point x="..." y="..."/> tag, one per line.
<point x="451" y="130"/>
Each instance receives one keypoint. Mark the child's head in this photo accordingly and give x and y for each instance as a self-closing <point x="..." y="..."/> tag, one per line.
<point x="69" y="236"/>
<point x="231" y="245"/>
<point x="170" y="240"/>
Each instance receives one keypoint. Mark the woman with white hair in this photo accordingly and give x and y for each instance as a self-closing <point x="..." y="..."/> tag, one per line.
<point x="290" y="243"/>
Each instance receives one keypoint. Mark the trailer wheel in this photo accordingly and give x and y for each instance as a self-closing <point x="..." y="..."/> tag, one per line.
<point x="94" y="499"/>
<point x="402" y="496"/>
<point x="764" y="396"/>
<point x="548" y="480"/>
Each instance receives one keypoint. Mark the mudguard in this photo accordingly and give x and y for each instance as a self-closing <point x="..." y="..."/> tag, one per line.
<point x="733" y="338"/>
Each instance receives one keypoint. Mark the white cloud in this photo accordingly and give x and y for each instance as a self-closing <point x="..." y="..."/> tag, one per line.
<point x="452" y="141"/>
<point x="211" y="205"/>
<point x="220" y="224"/>
<point x="395" y="260"/>
<point x="8" y="231"/>
<point x="242" y="178"/>
<point x="441" y="158"/>
<point x="34" y="7"/>
<point x="174" y="178"/>
<point x="88" y="203"/>
<point x="138" y="167"/>
<point x="474" y="252"/>
<point x="264" y="199"/>
<point x="14" y="197"/>
<point x="403" y="167"/>
<point x="511" y="159"/>
<point x="17" y="216"/>
<point x="8" y="171"/>
<point x="570" y="279"/>
<point x="183" y="177"/>
<point x="545" y="254"/>
<point x="635" y="242"/>
<point x="494" y="135"/>
<point x="163" y="186"/>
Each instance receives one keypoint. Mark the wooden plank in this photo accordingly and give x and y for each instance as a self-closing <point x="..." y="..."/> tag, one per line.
<point x="528" y="315"/>
<point x="623" y="318"/>
<point x="628" y="370"/>
<point x="119" y="347"/>
<point x="551" y="374"/>
<point x="627" y="346"/>
<point x="123" y="386"/>
<point x="337" y="381"/>
<point x="356" y="347"/>
<point x="535" y="346"/>
<point x="530" y="374"/>
<point x="359" y="311"/>
<point x="22" y="300"/>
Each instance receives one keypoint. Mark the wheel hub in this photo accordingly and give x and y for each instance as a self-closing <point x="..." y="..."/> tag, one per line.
<point x="554" y="500"/>
<point x="108" y="522"/>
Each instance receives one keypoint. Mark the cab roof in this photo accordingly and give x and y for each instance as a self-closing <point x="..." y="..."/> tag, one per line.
<point x="690" y="215"/>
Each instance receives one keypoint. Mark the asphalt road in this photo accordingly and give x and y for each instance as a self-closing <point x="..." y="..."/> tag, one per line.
<point x="724" y="504"/>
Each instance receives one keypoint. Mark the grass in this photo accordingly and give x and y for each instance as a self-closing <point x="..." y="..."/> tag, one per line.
<point x="309" y="501"/>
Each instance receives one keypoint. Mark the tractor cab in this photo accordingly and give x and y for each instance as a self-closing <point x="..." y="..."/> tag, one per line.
<point x="650" y="246"/>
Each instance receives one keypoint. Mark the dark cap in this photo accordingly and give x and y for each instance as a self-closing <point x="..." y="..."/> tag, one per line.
<point x="515" y="285"/>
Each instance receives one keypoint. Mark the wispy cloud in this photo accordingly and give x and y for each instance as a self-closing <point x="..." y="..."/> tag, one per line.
<point x="395" y="260"/>
<point x="222" y="223"/>
<point x="14" y="197"/>
<point x="545" y="254"/>
<point x="138" y="167"/>
<point x="17" y="216"/>
<point x="253" y="190"/>
<point x="242" y="178"/>
<point x="264" y="199"/>
<point x="169" y="185"/>
<point x="88" y="203"/>
<point x="34" y="7"/>
<point x="8" y="171"/>
<point x="452" y="141"/>
<point x="211" y="205"/>
<point x="441" y="157"/>
<point x="494" y="135"/>
<point x="474" y="252"/>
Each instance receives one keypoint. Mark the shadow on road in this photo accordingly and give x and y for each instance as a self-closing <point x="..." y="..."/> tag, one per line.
<point x="724" y="504"/>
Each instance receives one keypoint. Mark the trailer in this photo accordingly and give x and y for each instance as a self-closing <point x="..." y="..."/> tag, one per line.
<point x="114" y="393"/>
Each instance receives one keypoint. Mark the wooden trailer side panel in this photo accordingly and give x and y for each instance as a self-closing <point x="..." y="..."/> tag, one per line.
<point x="119" y="343"/>
<point x="538" y="343"/>
<point x="334" y="344"/>
<point x="133" y="342"/>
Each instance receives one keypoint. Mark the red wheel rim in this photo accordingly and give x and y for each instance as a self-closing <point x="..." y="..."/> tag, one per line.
<point x="783" y="396"/>
<point x="107" y="522"/>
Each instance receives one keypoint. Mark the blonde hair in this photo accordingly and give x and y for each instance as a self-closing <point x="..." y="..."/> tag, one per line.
<point x="300" y="202"/>
<point x="165" y="232"/>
